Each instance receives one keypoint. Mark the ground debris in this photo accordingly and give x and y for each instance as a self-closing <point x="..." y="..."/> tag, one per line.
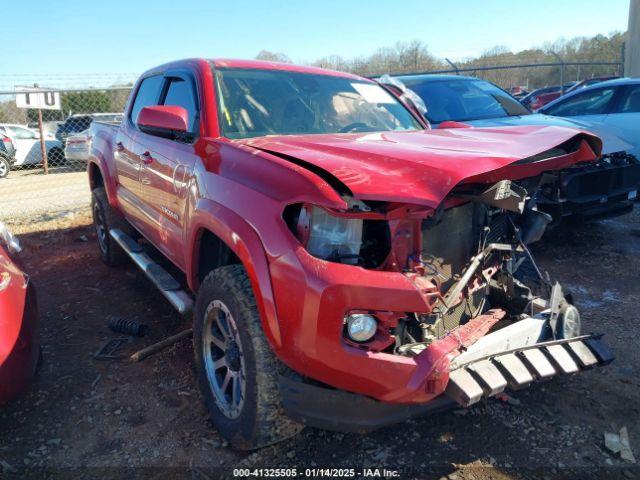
<point x="618" y="443"/>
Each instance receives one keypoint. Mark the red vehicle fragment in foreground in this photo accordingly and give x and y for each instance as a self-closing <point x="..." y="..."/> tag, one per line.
<point x="19" y="345"/>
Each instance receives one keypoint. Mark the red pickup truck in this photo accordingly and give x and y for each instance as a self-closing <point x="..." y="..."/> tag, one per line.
<point x="347" y="267"/>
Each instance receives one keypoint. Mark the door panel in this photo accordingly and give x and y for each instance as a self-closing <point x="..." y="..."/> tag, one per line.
<point x="164" y="180"/>
<point x="125" y="154"/>
<point x="128" y="176"/>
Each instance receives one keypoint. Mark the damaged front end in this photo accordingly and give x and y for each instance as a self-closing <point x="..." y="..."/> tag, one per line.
<point x="490" y="318"/>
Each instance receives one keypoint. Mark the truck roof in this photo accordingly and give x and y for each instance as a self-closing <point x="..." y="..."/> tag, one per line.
<point x="267" y="65"/>
<point x="255" y="64"/>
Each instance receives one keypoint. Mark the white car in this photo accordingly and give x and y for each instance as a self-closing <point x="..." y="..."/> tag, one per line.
<point x="27" y="144"/>
<point x="77" y="146"/>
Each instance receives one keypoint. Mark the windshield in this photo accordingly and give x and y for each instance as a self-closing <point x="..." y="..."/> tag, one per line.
<point x="274" y="102"/>
<point x="462" y="100"/>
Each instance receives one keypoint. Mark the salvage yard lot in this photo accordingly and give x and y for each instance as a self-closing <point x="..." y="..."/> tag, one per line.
<point x="28" y="196"/>
<point x="87" y="413"/>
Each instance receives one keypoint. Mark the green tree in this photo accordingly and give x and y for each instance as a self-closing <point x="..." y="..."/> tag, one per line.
<point x="88" y="101"/>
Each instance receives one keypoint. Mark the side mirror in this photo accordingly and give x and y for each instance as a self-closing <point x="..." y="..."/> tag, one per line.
<point x="163" y="120"/>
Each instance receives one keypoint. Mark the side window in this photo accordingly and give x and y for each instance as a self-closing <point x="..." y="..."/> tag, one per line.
<point x="593" y="102"/>
<point x="631" y="100"/>
<point x="180" y="92"/>
<point x="23" y="133"/>
<point x="148" y="94"/>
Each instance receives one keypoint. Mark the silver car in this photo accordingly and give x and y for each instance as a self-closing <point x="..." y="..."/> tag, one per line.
<point x="614" y="104"/>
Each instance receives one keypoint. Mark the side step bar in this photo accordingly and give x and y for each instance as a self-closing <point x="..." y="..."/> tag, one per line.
<point x="162" y="279"/>
<point x="517" y="368"/>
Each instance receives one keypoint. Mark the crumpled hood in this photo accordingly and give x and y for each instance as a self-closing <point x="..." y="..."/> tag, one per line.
<point x="423" y="166"/>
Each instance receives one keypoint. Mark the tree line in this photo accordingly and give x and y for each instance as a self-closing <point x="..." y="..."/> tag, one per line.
<point x="414" y="56"/>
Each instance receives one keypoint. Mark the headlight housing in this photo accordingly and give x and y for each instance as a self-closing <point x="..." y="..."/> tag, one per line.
<point x="328" y="236"/>
<point x="360" y="238"/>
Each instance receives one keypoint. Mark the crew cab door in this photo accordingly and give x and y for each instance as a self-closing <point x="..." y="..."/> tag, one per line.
<point x="166" y="169"/>
<point x="128" y="164"/>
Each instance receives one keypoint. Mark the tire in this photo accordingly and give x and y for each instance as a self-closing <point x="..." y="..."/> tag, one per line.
<point x="5" y="167"/>
<point x="55" y="157"/>
<point x="104" y="220"/>
<point x="254" y="418"/>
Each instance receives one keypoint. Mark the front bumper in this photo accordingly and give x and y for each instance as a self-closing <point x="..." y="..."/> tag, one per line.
<point x="595" y="192"/>
<point x="488" y="374"/>
<point x="508" y="358"/>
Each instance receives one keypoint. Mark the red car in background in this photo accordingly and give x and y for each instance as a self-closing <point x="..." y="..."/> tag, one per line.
<point x="19" y="345"/>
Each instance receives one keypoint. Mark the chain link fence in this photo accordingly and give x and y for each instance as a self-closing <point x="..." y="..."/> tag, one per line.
<point x="43" y="152"/>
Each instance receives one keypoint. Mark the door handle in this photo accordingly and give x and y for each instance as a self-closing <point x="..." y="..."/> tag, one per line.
<point x="119" y="146"/>
<point x="146" y="158"/>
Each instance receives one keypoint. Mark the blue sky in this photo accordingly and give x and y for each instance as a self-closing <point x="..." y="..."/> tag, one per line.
<point x="129" y="36"/>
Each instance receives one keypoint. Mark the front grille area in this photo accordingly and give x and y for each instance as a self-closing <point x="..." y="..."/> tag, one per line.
<point x="601" y="181"/>
<point x="447" y="248"/>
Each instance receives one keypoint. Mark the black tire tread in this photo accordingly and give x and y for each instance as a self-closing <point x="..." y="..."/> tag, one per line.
<point x="271" y="425"/>
<point x="114" y="256"/>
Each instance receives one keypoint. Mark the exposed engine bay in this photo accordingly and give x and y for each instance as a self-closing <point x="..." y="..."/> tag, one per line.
<point x="468" y="256"/>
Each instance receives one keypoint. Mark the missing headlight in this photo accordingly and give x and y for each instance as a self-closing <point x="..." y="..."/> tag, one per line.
<point x="337" y="238"/>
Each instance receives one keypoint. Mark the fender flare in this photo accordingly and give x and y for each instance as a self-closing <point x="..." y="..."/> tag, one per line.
<point x="97" y="160"/>
<point x="244" y="242"/>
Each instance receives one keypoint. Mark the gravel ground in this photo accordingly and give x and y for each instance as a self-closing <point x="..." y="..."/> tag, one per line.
<point x="112" y="418"/>
<point x="28" y="196"/>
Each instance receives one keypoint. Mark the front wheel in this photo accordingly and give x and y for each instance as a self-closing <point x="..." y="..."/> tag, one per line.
<point x="237" y="371"/>
<point x="56" y="157"/>
<point x="4" y="167"/>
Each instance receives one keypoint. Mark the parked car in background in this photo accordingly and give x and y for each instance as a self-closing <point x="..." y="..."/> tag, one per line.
<point x="542" y="96"/>
<point x="77" y="146"/>
<point x="518" y="92"/>
<point x="49" y="127"/>
<point x="27" y="145"/>
<point x="323" y="228"/>
<point x="81" y="122"/>
<point x="587" y="82"/>
<point x="613" y="105"/>
<point x="588" y="192"/>
<point x="19" y="343"/>
<point x="7" y="155"/>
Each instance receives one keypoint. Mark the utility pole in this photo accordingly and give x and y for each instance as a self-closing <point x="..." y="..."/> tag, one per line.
<point x="43" y="145"/>
<point x="561" y="63"/>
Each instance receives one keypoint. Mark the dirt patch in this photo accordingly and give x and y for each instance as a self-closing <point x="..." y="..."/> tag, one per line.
<point x="84" y="413"/>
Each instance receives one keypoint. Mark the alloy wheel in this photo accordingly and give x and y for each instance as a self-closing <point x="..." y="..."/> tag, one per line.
<point x="223" y="359"/>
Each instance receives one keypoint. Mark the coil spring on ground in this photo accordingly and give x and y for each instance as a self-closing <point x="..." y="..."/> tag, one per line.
<point x="127" y="327"/>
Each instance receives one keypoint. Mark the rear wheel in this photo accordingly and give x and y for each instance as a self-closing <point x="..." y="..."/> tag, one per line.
<point x="4" y="167"/>
<point x="104" y="220"/>
<point x="55" y="157"/>
<point x="237" y="371"/>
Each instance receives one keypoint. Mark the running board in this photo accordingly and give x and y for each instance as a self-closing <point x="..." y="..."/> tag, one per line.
<point x="519" y="367"/>
<point x="168" y="286"/>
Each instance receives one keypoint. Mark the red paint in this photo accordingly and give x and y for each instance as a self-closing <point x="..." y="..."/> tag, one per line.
<point x="19" y="346"/>
<point x="166" y="117"/>
<point x="238" y="191"/>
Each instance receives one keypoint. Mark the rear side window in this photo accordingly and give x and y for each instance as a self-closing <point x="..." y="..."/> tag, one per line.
<point x="148" y="94"/>
<point x="592" y="102"/>
<point x="631" y="101"/>
<point x="180" y="92"/>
